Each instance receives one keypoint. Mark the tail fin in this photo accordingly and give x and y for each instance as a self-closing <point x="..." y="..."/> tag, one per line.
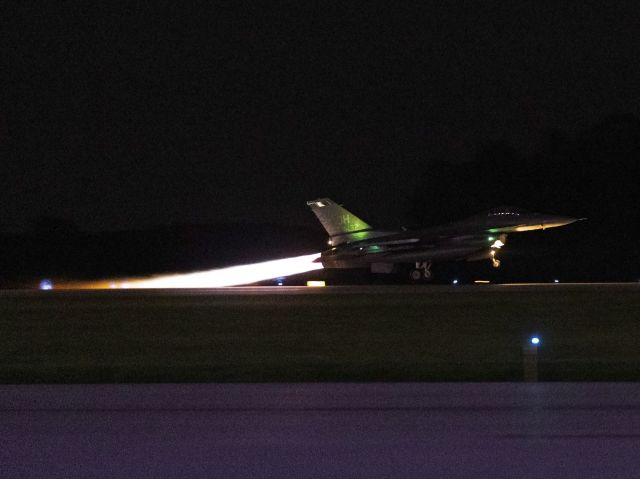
<point x="342" y="225"/>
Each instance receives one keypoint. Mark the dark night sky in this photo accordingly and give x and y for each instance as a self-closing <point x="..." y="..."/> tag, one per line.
<point x="133" y="116"/>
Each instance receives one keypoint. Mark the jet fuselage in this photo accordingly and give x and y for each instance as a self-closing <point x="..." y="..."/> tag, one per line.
<point x="475" y="238"/>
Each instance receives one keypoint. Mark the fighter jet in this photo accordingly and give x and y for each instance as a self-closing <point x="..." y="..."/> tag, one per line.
<point x="355" y="244"/>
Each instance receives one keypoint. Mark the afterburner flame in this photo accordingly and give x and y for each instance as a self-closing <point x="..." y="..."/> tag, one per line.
<point x="215" y="278"/>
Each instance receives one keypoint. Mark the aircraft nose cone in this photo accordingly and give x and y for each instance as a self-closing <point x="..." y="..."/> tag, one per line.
<point x="567" y="220"/>
<point x="554" y="221"/>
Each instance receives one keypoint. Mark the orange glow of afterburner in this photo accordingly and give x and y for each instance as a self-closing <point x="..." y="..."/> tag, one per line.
<point x="216" y="278"/>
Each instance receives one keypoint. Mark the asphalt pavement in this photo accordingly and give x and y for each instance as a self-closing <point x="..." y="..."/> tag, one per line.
<point x="367" y="430"/>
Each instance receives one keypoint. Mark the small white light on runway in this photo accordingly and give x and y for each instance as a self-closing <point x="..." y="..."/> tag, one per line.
<point x="535" y="340"/>
<point x="455" y="281"/>
<point x="556" y="281"/>
<point x="316" y="284"/>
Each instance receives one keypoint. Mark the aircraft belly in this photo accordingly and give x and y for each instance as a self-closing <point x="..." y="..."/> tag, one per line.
<point x="357" y="259"/>
<point x="436" y="254"/>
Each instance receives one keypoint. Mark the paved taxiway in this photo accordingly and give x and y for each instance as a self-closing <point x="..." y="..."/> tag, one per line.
<point x="402" y="430"/>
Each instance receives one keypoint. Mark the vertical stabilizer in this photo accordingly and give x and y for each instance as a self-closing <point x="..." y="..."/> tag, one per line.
<point x="342" y="225"/>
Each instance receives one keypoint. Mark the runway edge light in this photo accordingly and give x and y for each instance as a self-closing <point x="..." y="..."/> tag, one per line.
<point x="530" y="358"/>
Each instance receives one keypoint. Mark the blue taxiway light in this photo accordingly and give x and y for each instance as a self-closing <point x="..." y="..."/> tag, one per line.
<point x="535" y="340"/>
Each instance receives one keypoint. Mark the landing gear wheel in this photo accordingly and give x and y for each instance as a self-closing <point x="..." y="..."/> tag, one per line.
<point x="422" y="271"/>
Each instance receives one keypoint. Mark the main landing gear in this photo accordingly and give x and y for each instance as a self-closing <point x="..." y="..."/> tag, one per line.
<point x="495" y="262"/>
<point x="422" y="271"/>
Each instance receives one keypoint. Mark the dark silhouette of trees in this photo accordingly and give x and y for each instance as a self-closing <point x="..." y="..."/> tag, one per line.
<point x="595" y="174"/>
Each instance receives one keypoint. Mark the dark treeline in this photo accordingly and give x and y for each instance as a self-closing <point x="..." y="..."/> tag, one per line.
<point x="593" y="174"/>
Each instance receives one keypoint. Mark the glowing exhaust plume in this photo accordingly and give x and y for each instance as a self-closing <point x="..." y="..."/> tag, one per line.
<point x="215" y="278"/>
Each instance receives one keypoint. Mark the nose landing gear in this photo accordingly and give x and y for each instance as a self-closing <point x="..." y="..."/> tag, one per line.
<point x="495" y="262"/>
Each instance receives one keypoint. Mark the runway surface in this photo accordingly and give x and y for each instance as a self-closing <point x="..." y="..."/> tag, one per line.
<point x="423" y="289"/>
<point x="497" y="430"/>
